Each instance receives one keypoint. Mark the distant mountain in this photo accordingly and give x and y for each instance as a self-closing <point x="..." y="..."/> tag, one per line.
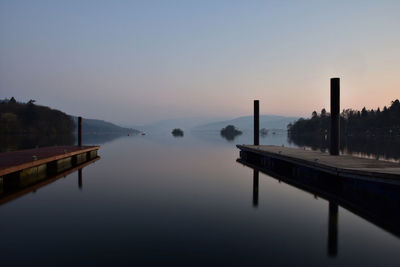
<point x="246" y="123"/>
<point x="166" y="126"/>
<point x="93" y="126"/>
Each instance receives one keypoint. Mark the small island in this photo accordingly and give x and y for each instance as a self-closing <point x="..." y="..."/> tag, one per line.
<point x="177" y="132"/>
<point x="264" y="132"/>
<point x="230" y="132"/>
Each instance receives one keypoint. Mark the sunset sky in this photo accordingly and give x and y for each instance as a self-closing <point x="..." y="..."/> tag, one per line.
<point x="135" y="62"/>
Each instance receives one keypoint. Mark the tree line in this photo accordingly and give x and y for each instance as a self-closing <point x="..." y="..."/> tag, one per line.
<point x="353" y="123"/>
<point x="374" y="133"/>
<point x="29" y="118"/>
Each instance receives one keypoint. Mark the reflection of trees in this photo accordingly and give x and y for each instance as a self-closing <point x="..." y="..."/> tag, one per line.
<point x="17" y="142"/>
<point x="230" y="132"/>
<point x="388" y="147"/>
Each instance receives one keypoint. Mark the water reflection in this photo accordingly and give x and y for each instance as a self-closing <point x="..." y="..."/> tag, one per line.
<point x="18" y="142"/>
<point x="333" y="229"/>
<point x="371" y="147"/>
<point x="14" y="187"/>
<point x="255" y="188"/>
<point x="380" y="208"/>
<point x="102" y="138"/>
<point x="28" y="141"/>
<point x="80" y="179"/>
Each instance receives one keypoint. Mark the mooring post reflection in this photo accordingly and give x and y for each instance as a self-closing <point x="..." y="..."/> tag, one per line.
<point x="255" y="188"/>
<point x="80" y="179"/>
<point x="333" y="229"/>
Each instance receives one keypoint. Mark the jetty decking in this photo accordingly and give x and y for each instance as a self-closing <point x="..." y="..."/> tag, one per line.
<point x="343" y="166"/>
<point x="17" y="161"/>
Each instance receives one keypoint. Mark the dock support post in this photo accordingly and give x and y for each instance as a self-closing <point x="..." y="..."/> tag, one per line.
<point x="79" y="131"/>
<point x="335" y="117"/>
<point x="256" y="122"/>
<point x="255" y="188"/>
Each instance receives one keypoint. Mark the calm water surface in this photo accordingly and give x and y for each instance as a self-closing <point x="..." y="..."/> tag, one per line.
<point x="164" y="200"/>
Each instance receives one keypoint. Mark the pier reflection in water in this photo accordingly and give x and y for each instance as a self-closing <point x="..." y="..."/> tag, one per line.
<point x="380" y="209"/>
<point x="15" y="187"/>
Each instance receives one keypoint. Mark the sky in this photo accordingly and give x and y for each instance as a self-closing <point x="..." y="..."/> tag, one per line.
<point x="137" y="62"/>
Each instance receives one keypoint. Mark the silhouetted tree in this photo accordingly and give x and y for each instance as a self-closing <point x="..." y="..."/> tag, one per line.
<point x="353" y="122"/>
<point x="323" y="113"/>
<point x="314" y="115"/>
<point x="177" y="132"/>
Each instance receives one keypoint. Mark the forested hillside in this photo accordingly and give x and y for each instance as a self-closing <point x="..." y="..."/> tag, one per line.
<point x="29" y="118"/>
<point x="364" y="123"/>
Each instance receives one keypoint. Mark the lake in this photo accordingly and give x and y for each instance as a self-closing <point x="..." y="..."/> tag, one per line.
<point x="160" y="200"/>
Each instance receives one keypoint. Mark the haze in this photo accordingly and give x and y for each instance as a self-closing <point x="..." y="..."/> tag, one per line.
<point x="138" y="62"/>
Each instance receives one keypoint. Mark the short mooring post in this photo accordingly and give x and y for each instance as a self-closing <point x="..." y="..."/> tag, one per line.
<point x="256" y="122"/>
<point x="335" y="116"/>
<point x="79" y="131"/>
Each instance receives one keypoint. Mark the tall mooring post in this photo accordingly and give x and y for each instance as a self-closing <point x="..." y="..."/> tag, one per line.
<point x="256" y="122"/>
<point x="79" y="131"/>
<point x="335" y="117"/>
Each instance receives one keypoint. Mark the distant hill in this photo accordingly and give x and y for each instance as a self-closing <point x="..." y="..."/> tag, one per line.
<point x="246" y="123"/>
<point x="93" y="126"/>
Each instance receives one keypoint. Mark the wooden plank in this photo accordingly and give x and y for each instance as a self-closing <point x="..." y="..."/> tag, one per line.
<point x="344" y="165"/>
<point x="22" y="159"/>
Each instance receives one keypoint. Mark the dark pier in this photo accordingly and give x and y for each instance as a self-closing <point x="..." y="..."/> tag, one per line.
<point x="44" y="161"/>
<point x="343" y="166"/>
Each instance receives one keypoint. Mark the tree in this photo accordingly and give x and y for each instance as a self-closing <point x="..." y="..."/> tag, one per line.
<point x="364" y="112"/>
<point x="314" y="114"/>
<point x="177" y="132"/>
<point x="323" y="113"/>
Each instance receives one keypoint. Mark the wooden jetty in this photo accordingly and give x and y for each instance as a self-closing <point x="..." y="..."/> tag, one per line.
<point x="44" y="160"/>
<point x="18" y="189"/>
<point x="341" y="166"/>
